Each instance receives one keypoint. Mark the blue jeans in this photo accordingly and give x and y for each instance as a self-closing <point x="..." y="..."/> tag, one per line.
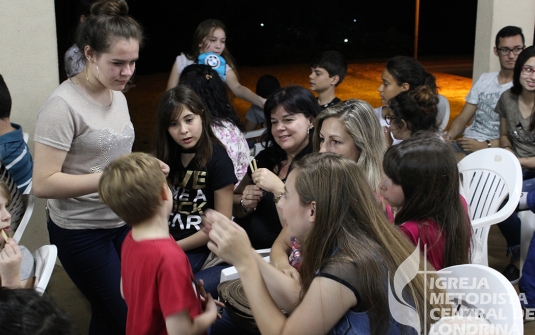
<point x="510" y="228"/>
<point x="527" y="280"/>
<point x="197" y="258"/>
<point x="225" y="326"/>
<point x="92" y="259"/>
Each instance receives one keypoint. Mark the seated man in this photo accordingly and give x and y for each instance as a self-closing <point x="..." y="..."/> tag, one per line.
<point x="14" y="151"/>
<point x="483" y="131"/>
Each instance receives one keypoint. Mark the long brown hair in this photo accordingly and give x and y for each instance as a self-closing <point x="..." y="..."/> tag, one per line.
<point x="172" y="104"/>
<point x="350" y="226"/>
<point x="425" y="168"/>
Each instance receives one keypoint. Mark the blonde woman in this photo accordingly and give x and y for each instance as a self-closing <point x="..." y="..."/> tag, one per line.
<point x="349" y="128"/>
<point x="350" y="255"/>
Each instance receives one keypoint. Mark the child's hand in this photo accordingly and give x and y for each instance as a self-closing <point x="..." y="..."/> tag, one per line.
<point x="210" y="308"/>
<point x="165" y="168"/>
<point x="220" y="307"/>
<point x="206" y="297"/>
<point x="10" y="262"/>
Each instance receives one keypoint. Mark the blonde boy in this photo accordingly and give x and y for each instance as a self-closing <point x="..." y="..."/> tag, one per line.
<point x="156" y="278"/>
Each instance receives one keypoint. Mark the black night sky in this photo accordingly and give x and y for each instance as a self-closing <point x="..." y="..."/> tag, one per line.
<point x="294" y="29"/>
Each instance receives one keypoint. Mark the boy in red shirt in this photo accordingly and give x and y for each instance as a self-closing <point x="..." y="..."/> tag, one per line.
<point x="156" y="278"/>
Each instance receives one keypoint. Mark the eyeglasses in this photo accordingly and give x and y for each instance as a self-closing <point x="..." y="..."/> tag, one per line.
<point x="527" y="70"/>
<point x="504" y="51"/>
<point x="389" y="118"/>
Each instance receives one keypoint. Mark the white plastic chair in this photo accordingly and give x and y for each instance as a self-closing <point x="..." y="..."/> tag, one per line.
<point x="231" y="273"/>
<point x="17" y="205"/>
<point x="443" y="116"/>
<point x="45" y="259"/>
<point x="489" y="176"/>
<point x="257" y="146"/>
<point x="29" y="200"/>
<point x="480" y="291"/>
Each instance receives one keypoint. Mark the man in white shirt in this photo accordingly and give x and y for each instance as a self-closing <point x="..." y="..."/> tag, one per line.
<point x="483" y="131"/>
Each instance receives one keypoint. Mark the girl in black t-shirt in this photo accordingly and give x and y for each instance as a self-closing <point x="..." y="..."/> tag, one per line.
<point x="201" y="173"/>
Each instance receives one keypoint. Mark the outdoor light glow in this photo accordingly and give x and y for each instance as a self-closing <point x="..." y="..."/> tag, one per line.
<point x="261" y="24"/>
<point x="354" y="20"/>
<point x="345" y="40"/>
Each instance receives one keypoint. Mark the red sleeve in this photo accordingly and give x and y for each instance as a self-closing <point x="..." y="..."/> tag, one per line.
<point x="177" y="289"/>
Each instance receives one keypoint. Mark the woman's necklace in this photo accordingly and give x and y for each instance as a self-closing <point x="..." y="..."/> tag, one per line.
<point x="91" y="92"/>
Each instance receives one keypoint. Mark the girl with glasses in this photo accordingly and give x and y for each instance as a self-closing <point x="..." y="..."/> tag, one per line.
<point x="404" y="74"/>
<point x="516" y="108"/>
<point x="411" y="112"/>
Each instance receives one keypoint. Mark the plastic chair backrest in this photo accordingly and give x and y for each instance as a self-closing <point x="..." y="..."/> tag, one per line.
<point x="17" y="205"/>
<point x="481" y="291"/>
<point x="29" y="200"/>
<point x="443" y="112"/>
<point x="45" y="259"/>
<point x="489" y="177"/>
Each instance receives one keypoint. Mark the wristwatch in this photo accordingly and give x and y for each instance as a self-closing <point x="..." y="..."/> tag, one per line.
<point x="488" y="143"/>
<point x="276" y="198"/>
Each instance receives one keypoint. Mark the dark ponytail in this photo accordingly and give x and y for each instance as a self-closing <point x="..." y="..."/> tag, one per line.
<point x="418" y="107"/>
<point x="408" y="70"/>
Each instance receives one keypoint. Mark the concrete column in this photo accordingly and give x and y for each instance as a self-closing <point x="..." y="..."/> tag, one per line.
<point x="29" y="64"/>
<point x="493" y="15"/>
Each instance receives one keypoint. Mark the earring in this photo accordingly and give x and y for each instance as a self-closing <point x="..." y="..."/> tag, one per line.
<point x="98" y="71"/>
